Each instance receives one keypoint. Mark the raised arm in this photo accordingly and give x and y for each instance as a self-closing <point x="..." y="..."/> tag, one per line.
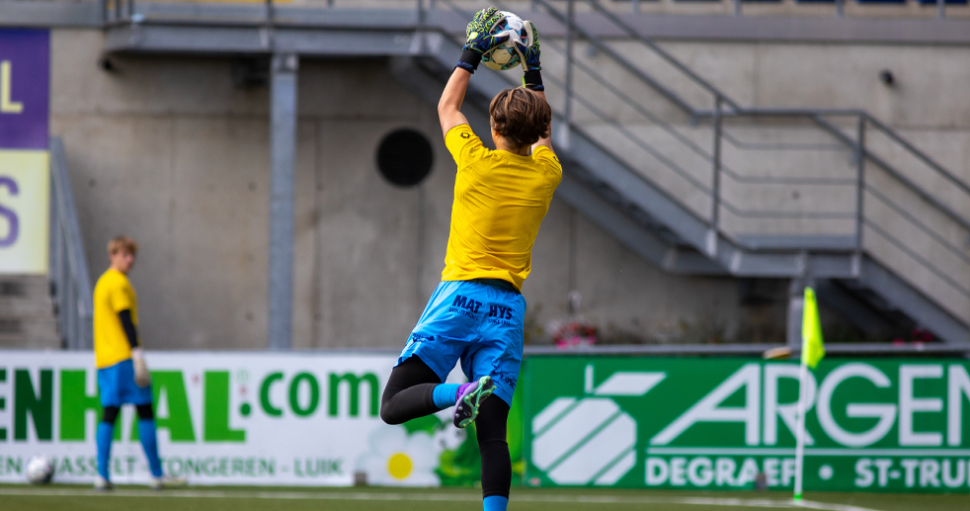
<point x="449" y="106"/>
<point x="547" y="139"/>
<point x="533" y="78"/>
<point x="479" y="39"/>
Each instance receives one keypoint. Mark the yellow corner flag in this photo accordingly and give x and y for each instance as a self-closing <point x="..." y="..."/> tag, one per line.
<point x="812" y="347"/>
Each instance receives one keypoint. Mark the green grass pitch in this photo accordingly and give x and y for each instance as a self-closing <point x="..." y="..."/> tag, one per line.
<point x="77" y="498"/>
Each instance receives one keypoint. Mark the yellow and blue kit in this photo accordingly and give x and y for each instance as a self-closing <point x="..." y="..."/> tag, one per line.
<point x="113" y="295"/>
<point x="477" y="312"/>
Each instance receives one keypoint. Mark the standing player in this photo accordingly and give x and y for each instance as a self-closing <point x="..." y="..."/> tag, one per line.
<point x="122" y="374"/>
<point x="476" y="314"/>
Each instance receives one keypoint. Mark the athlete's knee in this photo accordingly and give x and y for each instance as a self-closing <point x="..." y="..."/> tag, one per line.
<point x="389" y="415"/>
<point x="145" y="412"/>
<point x="109" y="414"/>
<point x="491" y="424"/>
<point x="387" y="406"/>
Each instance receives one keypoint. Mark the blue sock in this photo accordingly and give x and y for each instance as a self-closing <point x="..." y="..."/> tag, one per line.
<point x="149" y="442"/>
<point x="445" y="395"/>
<point x="105" y="433"/>
<point x="495" y="503"/>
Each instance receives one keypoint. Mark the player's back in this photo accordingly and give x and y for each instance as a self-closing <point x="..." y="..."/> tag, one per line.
<point x="500" y="201"/>
<point x="112" y="294"/>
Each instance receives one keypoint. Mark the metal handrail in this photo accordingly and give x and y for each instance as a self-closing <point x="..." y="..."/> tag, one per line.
<point x="626" y="64"/>
<point x="896" y="174"/>
<point x="899" y="244"/>
<point x="69" y="268"/>
<point x="816" y="116"/>
<point x="767" y="112"/>
<point x="705" y="189"/>
<point x="916" y="152"/>
<point x="839" y="7"/>
<point x="670" y="59"/>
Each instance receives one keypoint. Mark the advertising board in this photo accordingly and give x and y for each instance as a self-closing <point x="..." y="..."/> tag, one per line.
<point x="684" y="423"/>
<point x="230" y="418"/>
<point x="24" y="160"/>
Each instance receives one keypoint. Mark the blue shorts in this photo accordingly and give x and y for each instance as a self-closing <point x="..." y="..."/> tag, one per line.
<point x="117" y="386"/>
<point x="477" y="323"/>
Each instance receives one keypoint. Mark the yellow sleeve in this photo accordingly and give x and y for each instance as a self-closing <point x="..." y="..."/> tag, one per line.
<point x="119" y="297"/>
<point x="465" y="147"/>
<point x="547" y="156"/>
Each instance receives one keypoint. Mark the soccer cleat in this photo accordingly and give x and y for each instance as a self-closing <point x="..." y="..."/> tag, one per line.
<point x="470" y="397"/>
<point x="164" y="482"/>
<point x="102" y="484"/>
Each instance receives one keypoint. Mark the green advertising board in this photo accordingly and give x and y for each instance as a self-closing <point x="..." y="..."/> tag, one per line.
<point x="715" y="424"/>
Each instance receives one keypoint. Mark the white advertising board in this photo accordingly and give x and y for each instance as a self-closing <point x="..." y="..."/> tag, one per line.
<point x="222" y="418"/>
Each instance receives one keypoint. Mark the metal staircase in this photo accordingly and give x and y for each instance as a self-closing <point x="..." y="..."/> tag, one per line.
<point x="699" y="184"/>
<point x="658" y="156"/>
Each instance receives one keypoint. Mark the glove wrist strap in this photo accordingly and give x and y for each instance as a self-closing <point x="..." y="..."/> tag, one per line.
<point x="533" y="80"/>
<point x="469" y="60"/>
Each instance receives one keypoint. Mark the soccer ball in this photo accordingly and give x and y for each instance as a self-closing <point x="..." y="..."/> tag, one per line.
<point x="40" y="469"/>
<point x="506" y="56"/>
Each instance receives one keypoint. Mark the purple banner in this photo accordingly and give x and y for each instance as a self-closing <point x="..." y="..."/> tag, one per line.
<point x="24" y="88"/>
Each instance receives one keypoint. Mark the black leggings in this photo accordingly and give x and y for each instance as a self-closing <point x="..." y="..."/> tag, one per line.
<point x="109" y="414"/>
<point x="409" y="395"/>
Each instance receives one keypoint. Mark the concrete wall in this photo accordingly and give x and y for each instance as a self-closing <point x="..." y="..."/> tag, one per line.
<point x="168" y="151"/>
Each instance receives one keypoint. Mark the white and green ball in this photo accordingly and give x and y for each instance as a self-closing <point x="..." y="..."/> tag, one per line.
<point x="40" y="469"/>
<point x="505" y="56"/>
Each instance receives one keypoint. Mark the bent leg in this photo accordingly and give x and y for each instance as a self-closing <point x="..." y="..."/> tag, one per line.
<point x="410" y="392"/>
<point x="494" y="448"/>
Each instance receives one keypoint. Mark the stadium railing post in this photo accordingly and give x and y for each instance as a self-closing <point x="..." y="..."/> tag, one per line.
<point x="716" y="180"/>
<point x="568" y="107"/>
<point x="861" y="180"/>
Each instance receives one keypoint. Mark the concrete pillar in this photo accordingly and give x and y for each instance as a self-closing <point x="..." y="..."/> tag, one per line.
<point x="283" y="87"/>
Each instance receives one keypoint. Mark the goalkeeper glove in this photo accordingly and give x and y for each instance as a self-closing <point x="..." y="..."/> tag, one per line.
<point x="142" y="377"/>
<point x="479" y="38"/>
<point x="530" y="60"/>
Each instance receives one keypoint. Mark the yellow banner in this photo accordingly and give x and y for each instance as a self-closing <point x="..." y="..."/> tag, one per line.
<point x="24" y="211"/>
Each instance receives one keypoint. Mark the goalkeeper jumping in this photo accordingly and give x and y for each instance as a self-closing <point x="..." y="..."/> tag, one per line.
<point x="476" y="314"/>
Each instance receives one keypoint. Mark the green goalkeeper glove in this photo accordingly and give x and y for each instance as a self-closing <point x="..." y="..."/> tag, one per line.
<point x="530" y="54"/>
<point x="530" y="60"/>
<point x="479" y="38"/>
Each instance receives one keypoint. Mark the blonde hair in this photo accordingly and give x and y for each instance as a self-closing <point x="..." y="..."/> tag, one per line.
<point x="122" y="243"/>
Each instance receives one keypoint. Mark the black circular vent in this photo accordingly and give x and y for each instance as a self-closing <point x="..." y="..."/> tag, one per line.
<point x="404" y="157"/>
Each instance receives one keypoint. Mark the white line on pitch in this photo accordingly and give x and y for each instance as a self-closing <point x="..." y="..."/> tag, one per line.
<point x="581" y="499"/>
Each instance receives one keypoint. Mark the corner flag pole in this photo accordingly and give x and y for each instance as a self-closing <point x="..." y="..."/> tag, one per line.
<point x="800" y="429"/>
<point x="812" y="351"/>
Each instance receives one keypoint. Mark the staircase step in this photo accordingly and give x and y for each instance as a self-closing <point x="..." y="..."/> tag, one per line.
<point x="24" y="287"/>
<point x="27" y="318"/>
<point x="13" y="307"/>
<point x="29" y="342"/>
<point x="29" y="332"/>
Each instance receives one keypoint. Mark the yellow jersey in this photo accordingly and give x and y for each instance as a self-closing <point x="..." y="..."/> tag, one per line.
<point x="112" y="294"/>
<point x="500" y="201"/>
